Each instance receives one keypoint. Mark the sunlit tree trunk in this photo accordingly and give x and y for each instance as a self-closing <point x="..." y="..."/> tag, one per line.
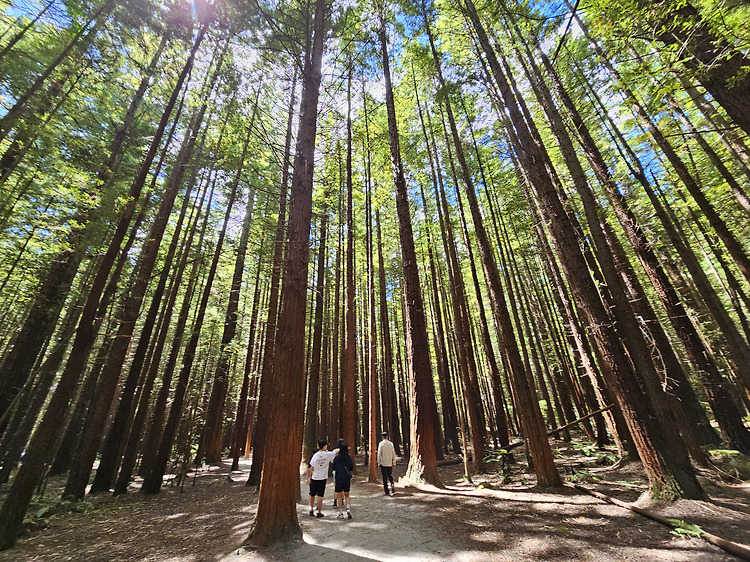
<point x="668" y="469"/>
<point x="263" y="410"/>
<point x="727" y="236"/>
<point x="57" y="281"/>
<point x="334" y="427"/>
<point x="130" y="452"/>
<point x="734" y="141"/>
<point x="721" y="68"/>
<point x="526" y="402"/>
<point x="462" y="336"/>
<point x="81" y="469"/>
<point x="447" y="398"/>
<point x="699" y="354"/>
<point x="424" y="415"/>
<point x="153" y="479"/>
<point x="389" y="383"/>
<point x="213" y="429"/>
<point x="621" y="281"/>
<point x="313" y="386"/>
<point x="374" y="388"/>
<point x="20" y="35"/>
<point x="349" y="363"/>
<point x="276" y="517"/>
<point x="80" y="41"/>
<point x="51" y="426"/>
<point x="154" y="436"/>
<point x="242" y="419"/>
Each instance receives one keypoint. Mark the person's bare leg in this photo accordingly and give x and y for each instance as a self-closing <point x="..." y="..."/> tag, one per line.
<point x="320" y="504"/>
<point x="312" y="503"/>
<point x="348" y="501"/>
<point x="339" y="497"/>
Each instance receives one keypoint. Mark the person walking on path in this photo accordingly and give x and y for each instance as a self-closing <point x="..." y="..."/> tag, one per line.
<point x="386" y="460"/>
<point x="338" y="444"/>
<point x="343" y="465"/>
<point x="317" y="475"/>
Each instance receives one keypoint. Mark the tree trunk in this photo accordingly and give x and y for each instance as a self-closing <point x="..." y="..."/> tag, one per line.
<point x="734" y="346"/>
<point x="153" y="478"/>
<point x="55" y="287"/>
<point x="51" y="426"/>
<point x="372" y="365"/>
<point x="20" y="35"/>
<point x="732" y="244"/>
<point x="698" y="353"/>
<point x="730" y="138"/>
<point x="21" y="106"/>
<point x="462" y="336"/>
<point x="260" y="431"/>
<point x="348" y="363"/>
<point x="617" y="274"/>
<point x="718" y="66"/>
<point x="247" y="391"/>
<point x="391" y="424"/>
<point x="276" y="516"/>
<point x="130" y="452"/>
<point x="526" y="401"/>
<point x="153" y="438"/>
<point x="669" y="471"/>
<point x="212" y="431"/>
<point x="424" y="416"/>
<point x="79" y="474"/>
<point x="447" y="399"/>
<point x="313" y="386"/>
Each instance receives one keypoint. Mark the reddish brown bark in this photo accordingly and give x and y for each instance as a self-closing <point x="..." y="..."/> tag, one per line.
<point x="422" y="460"/>
<point x="276" y="517"/>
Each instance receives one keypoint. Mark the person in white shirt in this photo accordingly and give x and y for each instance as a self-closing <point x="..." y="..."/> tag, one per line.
<point x="317" y="475"/>
<point x="386" y="460"/>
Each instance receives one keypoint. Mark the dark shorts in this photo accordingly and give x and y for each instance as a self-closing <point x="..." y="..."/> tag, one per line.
<point x="343" y="486"/>
<point x="317" y="488"/>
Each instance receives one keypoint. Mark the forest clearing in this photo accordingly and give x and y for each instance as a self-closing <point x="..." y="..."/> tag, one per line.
<point x="506" y="242"/>
<point x="500" y="517"/>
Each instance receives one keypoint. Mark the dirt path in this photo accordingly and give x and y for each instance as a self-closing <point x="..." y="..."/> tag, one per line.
<point x="382" y="528"/>
<point x="210" y="517"/>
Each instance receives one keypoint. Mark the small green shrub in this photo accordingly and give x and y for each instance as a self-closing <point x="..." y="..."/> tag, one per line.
<point x="683" y="529"/>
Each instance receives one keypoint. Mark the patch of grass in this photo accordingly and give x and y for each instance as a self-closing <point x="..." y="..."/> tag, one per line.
<point x="504" y="458"/>
<point x="587" y="449"/>
<point x="590" y="450"/>
<point x="683" y="529"/>
<point x="43" y="508"/>
<point x="74" y="506"/>
<point x="583" y="476"/>
<point x="732" y="462"/>
<point x="495" y="456"/>
<point x="606" y="458"/>
<point x="723" y="453"/>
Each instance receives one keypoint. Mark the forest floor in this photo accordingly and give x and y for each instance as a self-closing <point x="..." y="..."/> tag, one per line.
<point x="497" y="517"/>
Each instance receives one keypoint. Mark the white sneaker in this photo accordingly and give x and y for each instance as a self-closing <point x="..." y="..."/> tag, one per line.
<point x="340" y="515"/>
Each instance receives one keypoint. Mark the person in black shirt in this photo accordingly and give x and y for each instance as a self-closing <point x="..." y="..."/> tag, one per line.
<point x="343" y="465"/>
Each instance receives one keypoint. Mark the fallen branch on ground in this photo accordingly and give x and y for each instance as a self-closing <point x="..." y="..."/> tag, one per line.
<point x="737" y="549"/>
<point x="567" y="425"/>
<point x="553" y="431"/>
